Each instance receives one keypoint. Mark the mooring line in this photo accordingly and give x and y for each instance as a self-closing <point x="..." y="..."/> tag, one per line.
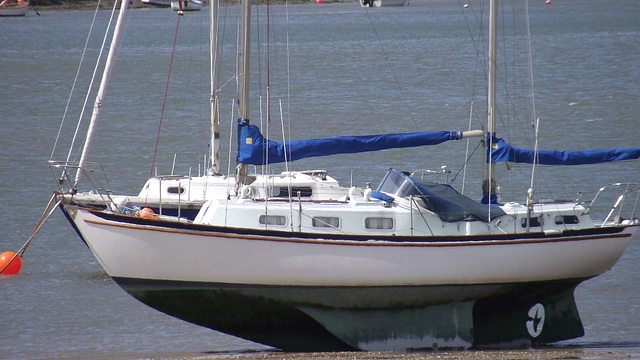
<point x="43" y="219"/>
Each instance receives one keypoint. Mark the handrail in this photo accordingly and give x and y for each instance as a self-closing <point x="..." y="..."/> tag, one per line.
<point x="618" y="206"/>
<point x="64" y="171"/>
<point x="443" y="171"/>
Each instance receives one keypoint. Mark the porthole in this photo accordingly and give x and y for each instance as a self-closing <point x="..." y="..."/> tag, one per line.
<point x="176" y="190"/>
<point x="533" y="222"/>
<point x="567" y="219"/>
<point x="326" y="222"/>
<point x="276" y="220"/>
<point x="283" y="192"/>
<point x="379" y="223"/>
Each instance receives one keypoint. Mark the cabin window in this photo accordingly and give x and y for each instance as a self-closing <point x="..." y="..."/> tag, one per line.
<point x="283" y="192"/>
<point x="567" y="219"/>
<point x="533" y="222"/>
<point x="326" y="222"/>
<point x="277" y="220"/>
<point x="378" y="223"/>
<point x="176" y="190"/>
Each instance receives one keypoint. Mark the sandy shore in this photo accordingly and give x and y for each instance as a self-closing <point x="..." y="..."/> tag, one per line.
<point x="605" y="353"/>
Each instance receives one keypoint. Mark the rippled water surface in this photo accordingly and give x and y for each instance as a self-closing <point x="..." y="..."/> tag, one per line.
<point x="352" y="71"/>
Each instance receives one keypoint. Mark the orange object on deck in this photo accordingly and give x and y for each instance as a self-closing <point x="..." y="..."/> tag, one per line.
<point x="147" y="213"/>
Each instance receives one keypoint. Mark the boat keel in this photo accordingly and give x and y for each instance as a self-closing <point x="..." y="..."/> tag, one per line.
<point x="519" y="315"/>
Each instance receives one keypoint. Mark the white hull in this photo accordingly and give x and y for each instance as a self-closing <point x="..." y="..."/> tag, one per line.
<point x="341" y="292"/>
<point x="210" y="254"/>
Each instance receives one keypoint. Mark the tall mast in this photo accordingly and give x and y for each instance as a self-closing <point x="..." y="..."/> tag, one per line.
<point x="214" y="7"/>
<point x="243" y="80"/>
<point x="102" y="91"/>
<point x="489" y="184"/>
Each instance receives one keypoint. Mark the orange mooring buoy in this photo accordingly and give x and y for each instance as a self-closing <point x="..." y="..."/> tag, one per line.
<point x="147" y="213"/>
<point x="10" y="263"/>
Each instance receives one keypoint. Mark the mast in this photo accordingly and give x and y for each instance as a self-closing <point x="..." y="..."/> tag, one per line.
<point x="102" y="91"/>
<point x="215" y="66"/>
<point x="243" y="81"/>
<point x="489" y="184"/>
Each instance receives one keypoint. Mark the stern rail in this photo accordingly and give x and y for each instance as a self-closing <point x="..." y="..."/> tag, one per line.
<point x="620" y="212"/>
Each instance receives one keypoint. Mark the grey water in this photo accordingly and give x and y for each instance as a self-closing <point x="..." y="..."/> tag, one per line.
<point x="333" y="69"/>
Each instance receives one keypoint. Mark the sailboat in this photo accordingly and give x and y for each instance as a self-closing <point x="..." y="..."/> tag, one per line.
<point x="315" y="267"/>
<point x="190" y="5"/>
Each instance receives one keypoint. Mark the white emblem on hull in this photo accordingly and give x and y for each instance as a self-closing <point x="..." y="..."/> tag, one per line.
<point x="536" y="320"/>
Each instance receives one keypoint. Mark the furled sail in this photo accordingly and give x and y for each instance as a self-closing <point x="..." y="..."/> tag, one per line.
<point x="502" y="151"/>
<point x="254" y="149"/>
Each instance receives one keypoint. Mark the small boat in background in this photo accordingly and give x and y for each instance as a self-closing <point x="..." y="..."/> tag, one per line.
<point x="160" y="3"/>
<point x="188" y="5"/>
<point x="14" y="7"/>
<point x="380" y="3"/>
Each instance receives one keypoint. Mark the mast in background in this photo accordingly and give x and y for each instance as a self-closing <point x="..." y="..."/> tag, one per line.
<point x="214" y="8"/>
<point x="243" y="81"/>
<point x="489" y="184"/>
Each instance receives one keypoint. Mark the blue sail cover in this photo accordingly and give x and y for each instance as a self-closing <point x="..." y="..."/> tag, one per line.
<point x="254" y="149"/>
<point x="504" y="152"/>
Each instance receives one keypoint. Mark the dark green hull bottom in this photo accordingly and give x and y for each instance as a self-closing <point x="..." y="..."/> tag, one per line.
<point x="373" y="318"/>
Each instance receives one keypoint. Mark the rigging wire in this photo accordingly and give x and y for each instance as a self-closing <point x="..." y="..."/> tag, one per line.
<point x="466" y="161"/>
<point x="286" y="166"/>
<point x="625" y="57"/>
<point x="75" y="81"/>
<point x="504" y="113"/>
<point x="478" y="45"/>
<point x="480" y="65"/>
<point x="287" y="151"/>
<point x="268" y="62"/>
<point x="511" y="98"/>
<point x="228" y="197"/>
<point x="466" y="154"/>
<point x="48" y="211"/>
<point x="390" y="67"/>
<point x="286" y="8"/>
<point x="164" y="103"/>
<point x="534" y="121"/>
<point x="93" y="78"/>
<point x="268" y="84"/>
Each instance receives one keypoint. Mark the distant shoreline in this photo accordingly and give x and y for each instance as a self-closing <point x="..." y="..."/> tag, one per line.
<point x="137" y="4"/>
